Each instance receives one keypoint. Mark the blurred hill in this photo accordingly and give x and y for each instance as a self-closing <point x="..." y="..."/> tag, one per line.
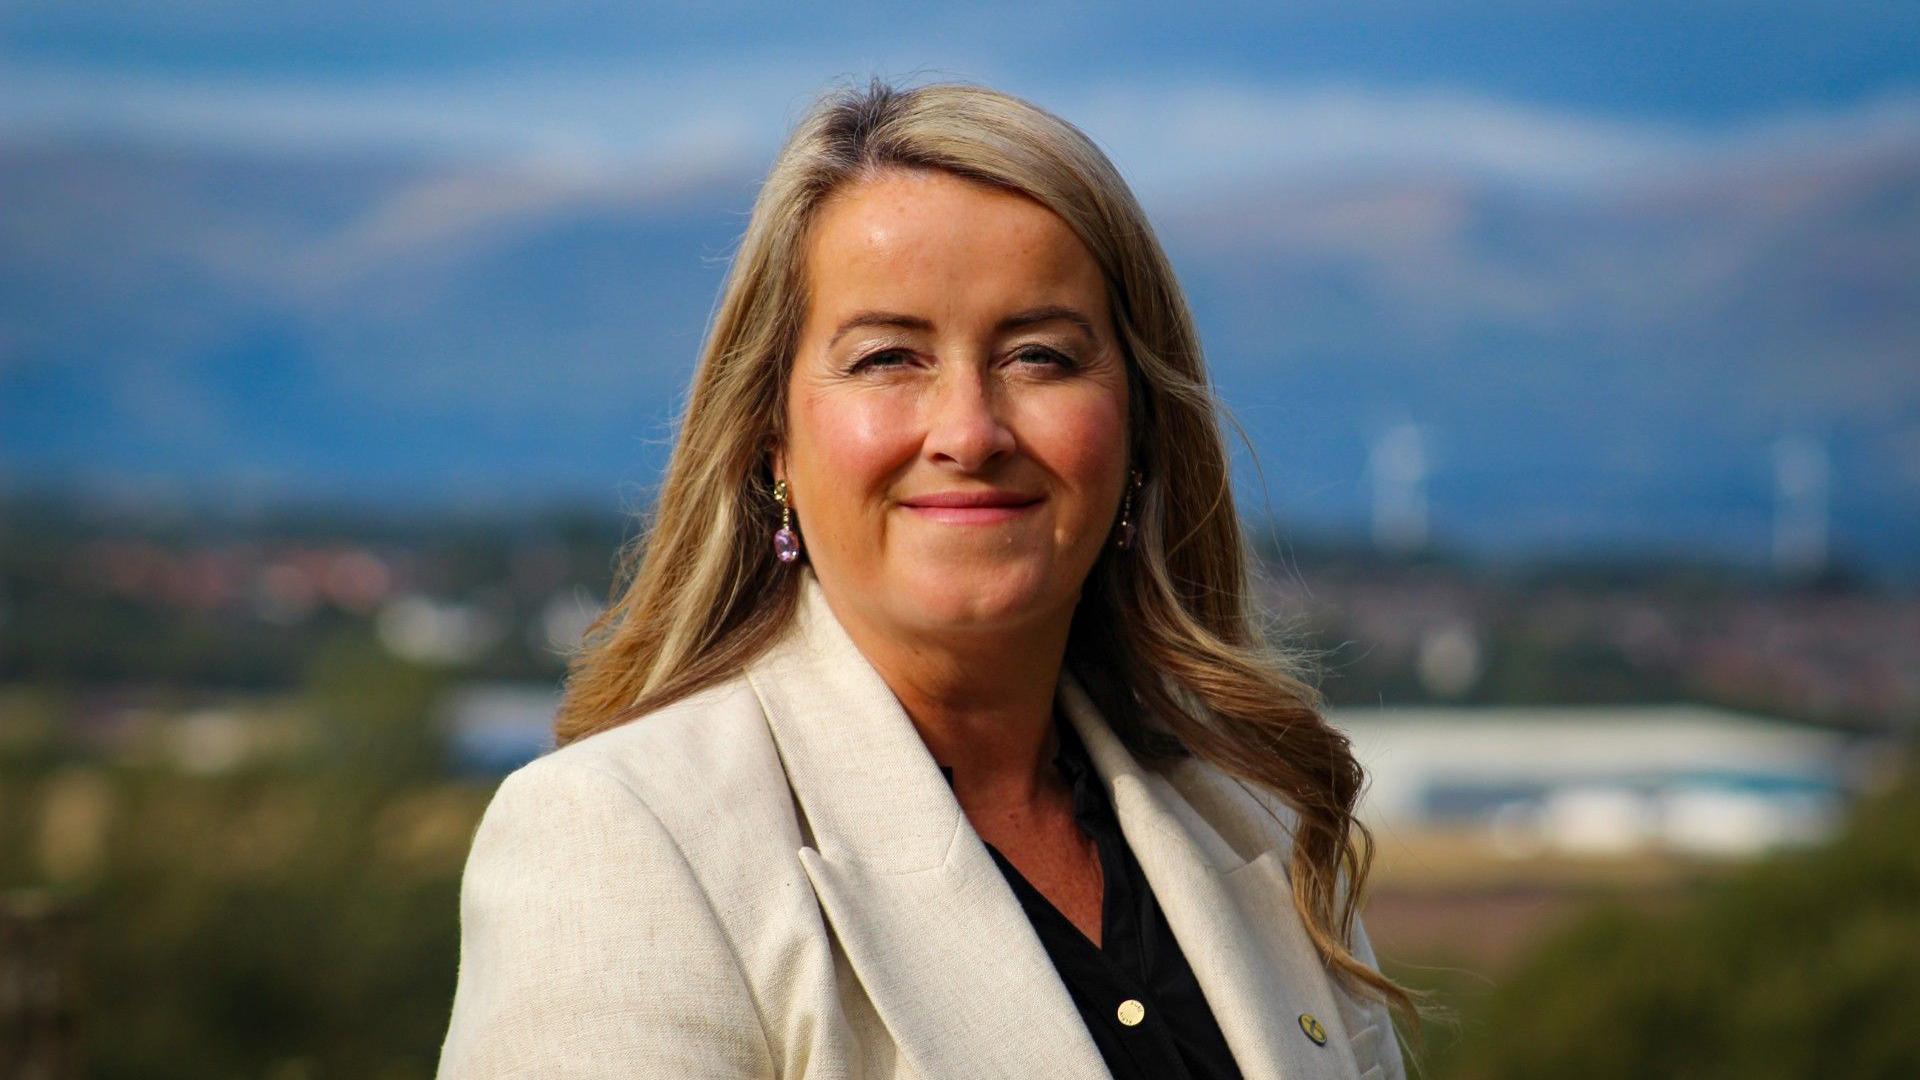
<point x="1594" y="364"/>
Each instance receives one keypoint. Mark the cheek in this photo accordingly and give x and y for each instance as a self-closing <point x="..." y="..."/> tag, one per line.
<point x="849" y="445"/>
<point x="1084" y="442"/>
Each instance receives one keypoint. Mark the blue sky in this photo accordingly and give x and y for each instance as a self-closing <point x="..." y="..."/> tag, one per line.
<point x="1700" y="60"/>
<point x="586" y="82"/>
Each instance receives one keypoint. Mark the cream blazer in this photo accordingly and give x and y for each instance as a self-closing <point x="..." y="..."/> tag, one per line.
<point x="772" y="879"/>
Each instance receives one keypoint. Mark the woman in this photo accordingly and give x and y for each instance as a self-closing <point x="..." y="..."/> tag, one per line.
<point x="932" y="735"/>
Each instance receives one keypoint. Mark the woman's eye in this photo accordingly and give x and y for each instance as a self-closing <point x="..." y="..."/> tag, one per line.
<point x="1042" y="355"/>
<point x="876" y="360"/>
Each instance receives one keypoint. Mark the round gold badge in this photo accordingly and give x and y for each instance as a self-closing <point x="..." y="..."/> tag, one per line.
<point x="1313" y="1029"/>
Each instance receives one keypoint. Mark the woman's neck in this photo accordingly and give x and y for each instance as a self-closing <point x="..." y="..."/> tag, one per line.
<point x="982" y="703"/>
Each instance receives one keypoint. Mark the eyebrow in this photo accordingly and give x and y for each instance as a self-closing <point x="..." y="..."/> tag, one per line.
<point x="1014" y="321"/>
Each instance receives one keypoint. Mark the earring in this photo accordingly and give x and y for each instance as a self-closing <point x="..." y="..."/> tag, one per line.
<point x="1125" y="539"/>
<point x="786" y="544"/>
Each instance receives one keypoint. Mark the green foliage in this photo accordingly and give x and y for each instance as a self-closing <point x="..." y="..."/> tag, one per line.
<point x="376" y="712"/>
<point x="261" y="924"/>
<point x="1808" y="965"/>
<point x="296" y="916"/>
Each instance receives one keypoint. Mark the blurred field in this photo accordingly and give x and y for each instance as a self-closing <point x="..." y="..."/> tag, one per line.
<point x="1454" y="899"/>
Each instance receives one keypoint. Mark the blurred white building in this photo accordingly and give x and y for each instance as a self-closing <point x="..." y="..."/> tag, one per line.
<point x="1600" y="780"/>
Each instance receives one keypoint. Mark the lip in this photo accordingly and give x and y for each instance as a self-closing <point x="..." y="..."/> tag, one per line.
<point x="972" y="507"/>
<point x="968" y="500"/>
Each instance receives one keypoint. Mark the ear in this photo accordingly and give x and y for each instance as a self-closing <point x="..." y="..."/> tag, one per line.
<point x="777" y="461"/>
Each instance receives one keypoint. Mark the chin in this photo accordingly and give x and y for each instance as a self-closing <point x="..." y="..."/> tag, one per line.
<point x="983" y="596"/>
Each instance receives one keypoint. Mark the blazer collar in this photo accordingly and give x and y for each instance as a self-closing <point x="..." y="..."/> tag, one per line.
<point x="937" y="936"/>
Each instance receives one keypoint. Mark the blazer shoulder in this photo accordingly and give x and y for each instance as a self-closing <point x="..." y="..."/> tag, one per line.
<point x="713" y="728"/>
<point x="707" y="768"/>
<point x="588" y="946"/>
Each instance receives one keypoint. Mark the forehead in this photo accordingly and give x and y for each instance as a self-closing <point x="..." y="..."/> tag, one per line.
<point x="932" y="240"/>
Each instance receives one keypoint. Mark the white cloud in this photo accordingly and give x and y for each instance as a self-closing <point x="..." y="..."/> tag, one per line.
<point x="1211" y="132"/>
<point x="642" y="118"/>
<point x="571" y="120"/>
<point x="1172" y="140"/>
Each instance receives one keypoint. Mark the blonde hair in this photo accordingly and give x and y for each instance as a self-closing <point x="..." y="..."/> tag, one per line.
<point x="1166" y="639"/>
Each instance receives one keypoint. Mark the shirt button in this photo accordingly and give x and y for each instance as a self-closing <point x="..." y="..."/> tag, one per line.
<point x="1132" y="1012"/>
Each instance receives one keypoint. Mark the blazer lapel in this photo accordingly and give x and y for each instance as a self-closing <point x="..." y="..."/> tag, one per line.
<point x="1234" y="917"/>
<point x="936" y="936"/>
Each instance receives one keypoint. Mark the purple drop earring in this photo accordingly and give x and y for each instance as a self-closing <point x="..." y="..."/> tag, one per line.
<point x="786" y="543"/>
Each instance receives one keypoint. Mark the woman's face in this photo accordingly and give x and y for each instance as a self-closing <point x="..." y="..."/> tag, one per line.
<point x="957" y="345"/>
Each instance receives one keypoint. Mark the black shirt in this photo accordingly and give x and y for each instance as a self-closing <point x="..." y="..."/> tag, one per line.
<point x="1138" y="972"/>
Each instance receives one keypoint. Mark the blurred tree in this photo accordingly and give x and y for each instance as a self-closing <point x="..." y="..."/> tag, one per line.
<point x="376" y="712"/>
<point x="265" y="924"/>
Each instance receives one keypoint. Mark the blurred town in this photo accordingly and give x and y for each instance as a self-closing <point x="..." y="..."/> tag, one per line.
<point x="241" y="758"/>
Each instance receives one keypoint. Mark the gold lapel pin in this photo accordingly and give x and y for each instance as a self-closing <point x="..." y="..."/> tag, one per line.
<point x="1313" y="1028"/>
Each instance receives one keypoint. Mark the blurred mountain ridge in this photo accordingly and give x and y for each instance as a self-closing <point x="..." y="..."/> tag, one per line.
<point x="1590" y="364"/>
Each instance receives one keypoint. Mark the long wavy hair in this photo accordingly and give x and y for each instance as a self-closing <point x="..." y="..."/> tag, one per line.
<point x="1167" y="637"/>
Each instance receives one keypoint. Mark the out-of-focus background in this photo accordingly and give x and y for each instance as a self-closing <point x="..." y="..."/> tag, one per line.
<point x="1577" y="346"/>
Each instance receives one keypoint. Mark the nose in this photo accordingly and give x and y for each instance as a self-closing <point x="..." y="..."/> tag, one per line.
<point x="964" y="426"/>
